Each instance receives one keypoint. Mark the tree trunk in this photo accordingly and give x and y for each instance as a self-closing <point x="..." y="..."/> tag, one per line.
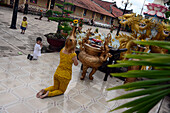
<point x="49" y="6"/>
<point x="59" y="23"/>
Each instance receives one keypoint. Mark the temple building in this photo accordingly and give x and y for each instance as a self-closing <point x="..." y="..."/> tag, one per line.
<point x="101" y="11"/>
<point x="88" y="9"/>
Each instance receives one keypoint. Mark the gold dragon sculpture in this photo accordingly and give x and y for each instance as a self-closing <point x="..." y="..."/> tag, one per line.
<point x="142" y="29"/>
<point x="132" y="21"/>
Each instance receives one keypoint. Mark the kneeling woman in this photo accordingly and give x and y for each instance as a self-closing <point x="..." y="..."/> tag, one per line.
<point x="63" y="73"/>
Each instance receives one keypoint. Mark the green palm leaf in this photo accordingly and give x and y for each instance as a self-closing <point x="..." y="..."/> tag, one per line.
<point x="141" y="92"/>
<point x="152" y="90"/>
<point x="142" y="99"/>
<point x="139" y="63"/>
<point x="153" y="42"/>
<point x="140" y="83"/>
<point x="144" y="73"/>
<point x="146" y="56"/>
<point x="149" y="103"/>
<point x="149" y="106"/>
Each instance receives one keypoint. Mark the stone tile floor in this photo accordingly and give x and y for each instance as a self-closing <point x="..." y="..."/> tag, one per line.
<point x="21" y="79"/>
<point x="12" y="42"/>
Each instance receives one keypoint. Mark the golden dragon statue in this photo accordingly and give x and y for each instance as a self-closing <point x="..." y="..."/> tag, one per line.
<point x="142" y="29"/>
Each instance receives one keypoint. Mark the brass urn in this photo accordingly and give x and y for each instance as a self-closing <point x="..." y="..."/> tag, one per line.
<point x="92" y="55"/>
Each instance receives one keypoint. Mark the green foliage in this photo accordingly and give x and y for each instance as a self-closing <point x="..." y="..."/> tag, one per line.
<point x="49" y="13"/>
<point x="57" y="12"/>
<point x="64" y="26"/>
<point x="152" y="90"/>
<point x="65" y="29"/>
<point x="57" y="19"/>
<point x="81" y="22"/>
<point x="67" y="3"/>
<point x="59" y="5"/>
<point x="67" y="11"/>
<point x="97" y="30"/>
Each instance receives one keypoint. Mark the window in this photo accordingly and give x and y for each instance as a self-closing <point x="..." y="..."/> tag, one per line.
<point x="93" y="14"/>
<point x="85" y="11"/>
<point x="33" y="1"/>
<point x="73" y="8"/>
<point x="101" y="17"/>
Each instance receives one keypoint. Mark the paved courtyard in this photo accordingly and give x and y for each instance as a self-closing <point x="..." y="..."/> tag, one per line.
<point x="12" y="42"/>
<point x="21" y="79"/>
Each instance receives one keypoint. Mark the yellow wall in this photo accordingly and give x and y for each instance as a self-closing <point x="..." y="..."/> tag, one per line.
<point x="98" y="18"/>
<point x="108" y="19"/>
<point x="115" y="22"/>
<point x="40" y="3"/>
<point x="78" y="12"/>
<point x="88" y="14"/>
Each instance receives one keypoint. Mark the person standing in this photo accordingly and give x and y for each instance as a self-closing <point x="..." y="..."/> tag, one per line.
<point x="41" y="14"/>
<point x="26" y="8"/>
<point x="92" y="22"/>
<point x="24" y="25"/>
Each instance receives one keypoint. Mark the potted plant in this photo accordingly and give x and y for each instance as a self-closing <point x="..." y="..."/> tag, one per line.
<point x="153" y="90"/>
<point x="80" y="24"/>
<point x="57" y="40"/>
<point x="96" y="30"/>
<point x="49" y="13"/>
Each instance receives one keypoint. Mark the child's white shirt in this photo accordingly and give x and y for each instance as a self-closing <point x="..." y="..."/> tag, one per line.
<point x="37" y="51"/>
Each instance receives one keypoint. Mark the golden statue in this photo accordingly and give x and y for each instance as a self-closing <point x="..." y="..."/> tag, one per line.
<point x="163" y="31"/>
<point x="145" y="27"/>
<point x="132" y="21"/>
<point x="71" y="41"/>
<point x="142" y="29"/>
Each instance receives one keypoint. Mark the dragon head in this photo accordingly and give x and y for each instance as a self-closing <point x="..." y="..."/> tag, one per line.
<point x="126" y="18"/>
<point x="165" y="29"/>
<point x="145" y="24"/>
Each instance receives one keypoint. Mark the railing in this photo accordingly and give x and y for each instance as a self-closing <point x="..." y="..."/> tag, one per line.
<point x="32" y="9"/>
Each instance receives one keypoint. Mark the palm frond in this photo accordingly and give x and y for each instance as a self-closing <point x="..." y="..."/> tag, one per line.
<point x="150" y="91"/>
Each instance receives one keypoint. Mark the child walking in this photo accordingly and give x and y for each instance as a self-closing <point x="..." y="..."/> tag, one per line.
<point x="37" y="50"/>
<point x="63" y="73"/>
<point x="24" y="25"/>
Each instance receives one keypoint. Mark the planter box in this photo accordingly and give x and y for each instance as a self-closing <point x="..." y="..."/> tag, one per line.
<point x="54" y="43"/>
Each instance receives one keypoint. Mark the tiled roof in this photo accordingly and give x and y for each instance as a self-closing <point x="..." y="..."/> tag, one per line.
<point x="103" y="4"/>
<point x="115" y="11"/>
<point x="88" y="4"/>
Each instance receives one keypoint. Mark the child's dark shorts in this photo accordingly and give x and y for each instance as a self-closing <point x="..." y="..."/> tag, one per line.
<point x="23" y="28"/>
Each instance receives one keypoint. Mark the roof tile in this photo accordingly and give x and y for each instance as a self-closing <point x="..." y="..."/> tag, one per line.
<point x="116" y="12"/>
<point x="103" y="4"/>
<point x="88" y="4"/>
